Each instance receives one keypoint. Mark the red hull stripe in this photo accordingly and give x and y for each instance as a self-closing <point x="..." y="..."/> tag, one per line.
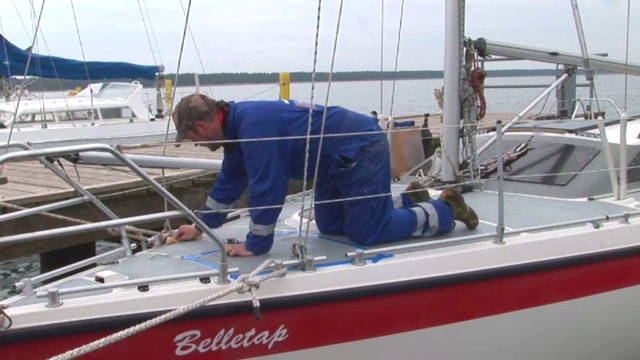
<point x="318" y="324"/>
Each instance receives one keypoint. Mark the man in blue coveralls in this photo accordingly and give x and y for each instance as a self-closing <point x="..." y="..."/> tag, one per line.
<point x="351" y="166"/>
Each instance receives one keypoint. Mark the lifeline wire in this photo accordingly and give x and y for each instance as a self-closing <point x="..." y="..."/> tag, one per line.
<point x="332" y="201"/>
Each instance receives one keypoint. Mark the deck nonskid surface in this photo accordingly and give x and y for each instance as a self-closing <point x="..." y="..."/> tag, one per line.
<point x="521" y="211"/>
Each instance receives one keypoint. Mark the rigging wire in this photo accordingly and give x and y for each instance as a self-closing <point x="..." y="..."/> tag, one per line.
<point x="166" y="133"/>
<point x="146" y="31"/>
<point x="395" y="69"/>
<point x="195" y="44"/>
<point x="324" y="114"/>
<point x="84" y="59"/>
<point x="6" y="54"/>
<point x="308" y="138"/>
<point x="24" y="26"/>
<point x="381" y="54"/>
<point x="55" y="71"/>
<point x="26" y="70"/>
<point x="153" y="33"/>
<point x="626" y="58"/>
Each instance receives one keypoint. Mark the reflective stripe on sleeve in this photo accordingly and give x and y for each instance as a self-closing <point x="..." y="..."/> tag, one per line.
<point x="262" y="230"/>
<point x="211" y="204"/>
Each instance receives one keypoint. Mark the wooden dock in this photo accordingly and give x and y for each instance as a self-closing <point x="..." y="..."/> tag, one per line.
<point x="29" y="182"/>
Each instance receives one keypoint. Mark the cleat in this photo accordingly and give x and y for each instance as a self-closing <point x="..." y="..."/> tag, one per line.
<point x="461" y="211"/>
<point x="417" y="192"/>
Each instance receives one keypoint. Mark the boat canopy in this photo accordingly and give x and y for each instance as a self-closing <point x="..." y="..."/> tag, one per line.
<point x="13" y="61"/>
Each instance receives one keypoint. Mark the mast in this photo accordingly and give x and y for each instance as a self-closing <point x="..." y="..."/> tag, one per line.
<point x="451" y="111"/>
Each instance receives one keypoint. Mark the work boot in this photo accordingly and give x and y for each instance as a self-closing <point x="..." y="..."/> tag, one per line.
<point x="417" y="192"/>
<point x="461" y="211"/>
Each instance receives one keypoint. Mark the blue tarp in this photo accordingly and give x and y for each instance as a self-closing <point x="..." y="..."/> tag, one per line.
<point x="57" y="67"/>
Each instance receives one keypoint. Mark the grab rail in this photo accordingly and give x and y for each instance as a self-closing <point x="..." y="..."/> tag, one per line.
<point x="183" y="210"/>
<point x="62" y="175"/>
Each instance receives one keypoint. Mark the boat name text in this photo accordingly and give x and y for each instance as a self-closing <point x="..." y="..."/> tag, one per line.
<point x="190" y="341"/>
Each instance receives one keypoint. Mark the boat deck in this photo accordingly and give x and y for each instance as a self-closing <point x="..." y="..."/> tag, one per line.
<point x="203" y="255"/>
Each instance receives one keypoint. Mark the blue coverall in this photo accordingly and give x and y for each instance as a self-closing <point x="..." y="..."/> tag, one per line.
<point x="350" y="166"/>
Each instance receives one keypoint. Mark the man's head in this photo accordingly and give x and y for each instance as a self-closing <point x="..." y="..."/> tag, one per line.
<point x="195" y="118"/>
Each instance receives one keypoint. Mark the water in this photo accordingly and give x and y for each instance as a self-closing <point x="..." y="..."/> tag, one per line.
<point x="416" y="96"/>
<point x="411" y="97"/>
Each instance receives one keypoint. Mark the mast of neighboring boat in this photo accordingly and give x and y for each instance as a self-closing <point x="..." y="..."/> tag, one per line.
<point x="451" y="110"/>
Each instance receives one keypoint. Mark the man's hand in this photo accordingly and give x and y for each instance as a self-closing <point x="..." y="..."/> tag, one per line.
<point x="237" y="250"/>
<point x="186" y="233"/>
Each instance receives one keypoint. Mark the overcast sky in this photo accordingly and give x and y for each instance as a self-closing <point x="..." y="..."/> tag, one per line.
<point x="278" y="35"/>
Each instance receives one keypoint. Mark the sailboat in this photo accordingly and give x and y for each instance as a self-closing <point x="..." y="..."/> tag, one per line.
<point x="553" y="270"/>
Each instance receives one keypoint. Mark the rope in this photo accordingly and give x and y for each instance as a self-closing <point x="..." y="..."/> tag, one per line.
<point x="395" y="69"/>
<point x="153" y="33"/>
<point x="244" y="283"/>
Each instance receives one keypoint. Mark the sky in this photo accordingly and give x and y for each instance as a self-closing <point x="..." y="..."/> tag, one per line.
<point x="279" y="35"/>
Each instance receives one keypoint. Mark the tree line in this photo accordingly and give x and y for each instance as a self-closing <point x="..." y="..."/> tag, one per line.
<point x="188" y="79"/>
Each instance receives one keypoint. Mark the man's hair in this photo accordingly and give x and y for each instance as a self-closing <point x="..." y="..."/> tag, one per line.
<point x="191" y="108"/>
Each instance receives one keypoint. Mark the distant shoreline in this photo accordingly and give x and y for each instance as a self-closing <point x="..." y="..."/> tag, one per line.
<point x="215" y="79"/>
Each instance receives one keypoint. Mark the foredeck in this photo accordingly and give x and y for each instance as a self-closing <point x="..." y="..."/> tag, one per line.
<point x="521" y="212"/>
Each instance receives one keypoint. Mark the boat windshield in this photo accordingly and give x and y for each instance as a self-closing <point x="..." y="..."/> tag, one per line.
<point x="5" y="118"/>
<point x="120" y="91"/>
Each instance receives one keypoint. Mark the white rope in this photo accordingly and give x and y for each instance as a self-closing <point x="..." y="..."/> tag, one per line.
<point x="243" y="283"/>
